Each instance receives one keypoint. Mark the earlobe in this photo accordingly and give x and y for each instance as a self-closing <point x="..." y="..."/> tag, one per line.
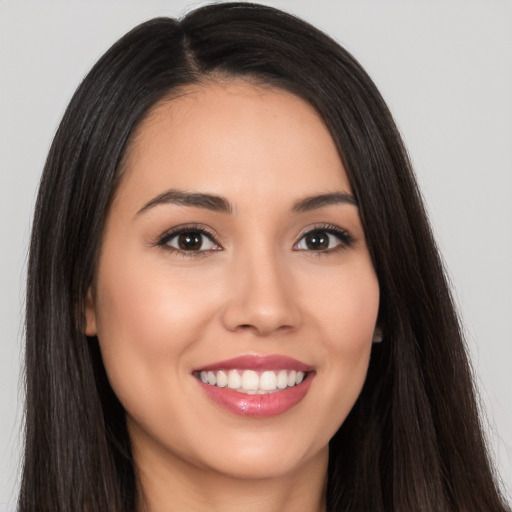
<point x="377" y="335"/>
<point x="90" y="314"/>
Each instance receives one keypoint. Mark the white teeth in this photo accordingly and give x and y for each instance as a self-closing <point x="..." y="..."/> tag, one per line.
<point x="222" y="379"/>
<point x="234" y="379"/>
<point x="282" y="379"/>
<point x="268" y="381"/>
<point x="251" y="382"/>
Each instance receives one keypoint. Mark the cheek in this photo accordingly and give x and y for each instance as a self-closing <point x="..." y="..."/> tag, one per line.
<point x="351" y="324"/>
<point x="345" y="306"/>
<point x="143" y="301"/>
<point x="346" y="316"/>
<point x="146" y="321"/>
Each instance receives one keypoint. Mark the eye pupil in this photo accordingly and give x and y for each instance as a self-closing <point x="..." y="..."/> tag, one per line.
<point x="190" y="241"/>
<point x="317" y="240"/>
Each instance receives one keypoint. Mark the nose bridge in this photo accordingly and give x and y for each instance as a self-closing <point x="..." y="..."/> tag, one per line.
<point x="260" y="294"/>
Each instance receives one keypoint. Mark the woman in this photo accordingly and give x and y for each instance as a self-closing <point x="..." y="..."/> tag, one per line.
<point x="251" y="311"/>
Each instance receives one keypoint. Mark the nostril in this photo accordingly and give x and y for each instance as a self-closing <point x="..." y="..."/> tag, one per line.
<point x="246" y="327"/>
<point x="250" y="310"/>
<point x="262" y="330"/>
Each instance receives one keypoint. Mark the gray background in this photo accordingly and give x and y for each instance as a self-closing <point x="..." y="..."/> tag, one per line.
<point x="445" y="68"/>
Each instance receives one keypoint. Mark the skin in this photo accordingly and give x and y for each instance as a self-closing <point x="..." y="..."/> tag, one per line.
<point x="257" y="288"/>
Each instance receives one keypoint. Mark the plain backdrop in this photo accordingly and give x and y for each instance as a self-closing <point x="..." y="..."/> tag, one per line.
<point x="445" y="69"/>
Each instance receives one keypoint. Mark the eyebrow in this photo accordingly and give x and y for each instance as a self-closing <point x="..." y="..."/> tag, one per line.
<point x="221" y="204"/>
<point x="199" y="200"/>
<point x="315" y="202"/>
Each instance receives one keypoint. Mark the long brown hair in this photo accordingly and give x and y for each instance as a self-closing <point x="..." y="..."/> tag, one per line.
<point x="412" y="442"/>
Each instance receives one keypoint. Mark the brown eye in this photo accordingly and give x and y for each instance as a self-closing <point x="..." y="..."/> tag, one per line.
<point x="192" y="241"/>
<point x="317" y="241"/>
<point x="324" y="240"/>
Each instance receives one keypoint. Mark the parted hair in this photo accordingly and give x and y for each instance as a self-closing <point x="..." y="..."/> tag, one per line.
<point x="412" y="442"/>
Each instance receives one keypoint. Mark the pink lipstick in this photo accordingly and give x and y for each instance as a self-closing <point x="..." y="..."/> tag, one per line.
<point x="256" y="386"/>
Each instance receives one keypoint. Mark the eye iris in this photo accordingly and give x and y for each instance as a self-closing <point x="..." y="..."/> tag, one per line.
<point x="190" y="241"/>
<point x="317" y="240"/>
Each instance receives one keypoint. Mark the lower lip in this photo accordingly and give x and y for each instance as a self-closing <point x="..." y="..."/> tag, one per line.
<point x="258" y="406"/>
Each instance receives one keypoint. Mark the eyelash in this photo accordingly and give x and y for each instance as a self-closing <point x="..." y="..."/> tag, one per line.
<point x="179" y="230"/>
<point x="345" y="238"/>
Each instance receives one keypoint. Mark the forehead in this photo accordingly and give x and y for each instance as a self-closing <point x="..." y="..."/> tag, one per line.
<point x="225" y="137"/>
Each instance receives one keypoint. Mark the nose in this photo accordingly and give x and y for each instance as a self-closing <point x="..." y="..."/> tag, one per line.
<point x="261" y="296"/>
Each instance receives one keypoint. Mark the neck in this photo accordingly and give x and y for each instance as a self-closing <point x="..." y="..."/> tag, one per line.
<point x="176" y="485"/>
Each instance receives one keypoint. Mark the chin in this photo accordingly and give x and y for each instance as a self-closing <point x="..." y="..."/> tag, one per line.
<point x="265" y="464"/>
<point x="262" y="455"/>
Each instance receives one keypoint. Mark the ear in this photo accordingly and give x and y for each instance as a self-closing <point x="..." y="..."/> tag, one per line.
<point x="90" y="314"/>
<point x="378" y="336"/>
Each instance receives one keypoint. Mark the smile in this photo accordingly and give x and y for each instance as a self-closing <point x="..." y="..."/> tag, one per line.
<point x="252" y="382"/>
<point x="256" y="386"/>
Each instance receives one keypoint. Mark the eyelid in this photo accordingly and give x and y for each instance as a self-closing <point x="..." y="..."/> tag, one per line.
<point x="164" y="238"/>
<point x="346" y="239"/>
<point x="344" y="236"/>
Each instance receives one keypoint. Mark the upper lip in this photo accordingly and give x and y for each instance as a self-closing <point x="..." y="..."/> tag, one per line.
<point x="257" y="362"/>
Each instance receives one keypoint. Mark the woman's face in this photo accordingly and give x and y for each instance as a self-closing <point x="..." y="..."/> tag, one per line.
<point x="234" y="254"/>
